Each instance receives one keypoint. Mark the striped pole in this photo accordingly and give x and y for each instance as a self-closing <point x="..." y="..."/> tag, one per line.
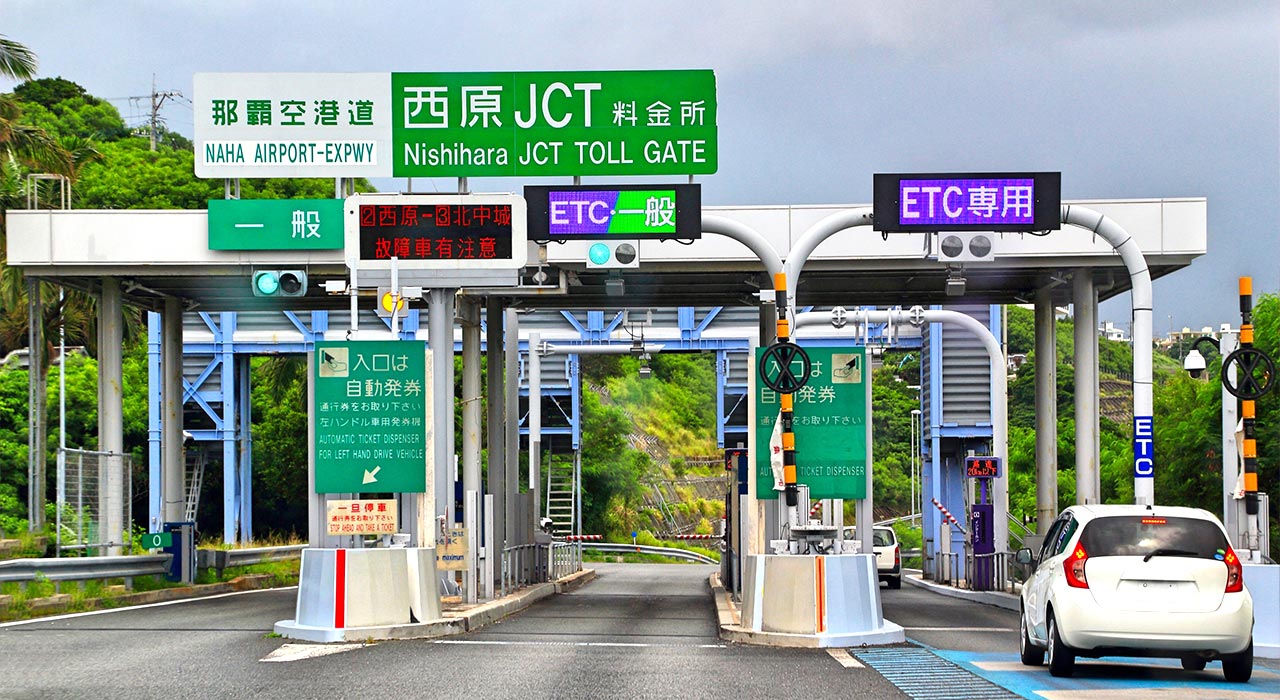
<point x="1248" y="411"/>
<point x="786" y="415"/>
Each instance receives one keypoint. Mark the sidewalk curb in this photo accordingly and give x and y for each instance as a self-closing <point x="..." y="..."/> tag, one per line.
<point x="998" y="599"/>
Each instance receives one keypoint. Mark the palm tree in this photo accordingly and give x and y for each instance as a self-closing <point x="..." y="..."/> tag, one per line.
<point x="16" y="60"/>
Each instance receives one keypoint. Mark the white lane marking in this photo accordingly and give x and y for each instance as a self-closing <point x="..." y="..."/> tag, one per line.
<point x="299" y="652"/>
<point x="842" y="657"/>
<point x="509" y="643"/>
<point x="68" y="616"/>
<point x="961" y="629"/>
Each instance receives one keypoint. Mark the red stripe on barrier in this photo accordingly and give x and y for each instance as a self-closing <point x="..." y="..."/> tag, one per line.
<point x="340" y="590"/>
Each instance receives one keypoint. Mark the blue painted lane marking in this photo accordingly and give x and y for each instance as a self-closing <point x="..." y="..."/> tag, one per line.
<point x="1113" y="674"/>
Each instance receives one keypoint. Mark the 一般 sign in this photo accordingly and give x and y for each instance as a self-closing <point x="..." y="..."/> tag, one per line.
<point x="275" y="224"/>
<point x="371" y="400"/>
<point x="830" y="415"/>
<point x="455" y="124"/>
<point x="598" y="212"/>
<point x="968" y="202"/>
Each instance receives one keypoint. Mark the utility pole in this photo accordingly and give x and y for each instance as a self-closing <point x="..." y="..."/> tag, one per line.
<point x="157" y="100"/>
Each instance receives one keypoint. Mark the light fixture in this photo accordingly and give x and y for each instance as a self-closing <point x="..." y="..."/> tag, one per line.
<point x="955" y="282"/>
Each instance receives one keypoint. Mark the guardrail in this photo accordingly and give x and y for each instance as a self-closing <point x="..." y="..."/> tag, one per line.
<point x="23" y="571"/>
<point x="645" y="549"/>
<point x="223" y="559"/>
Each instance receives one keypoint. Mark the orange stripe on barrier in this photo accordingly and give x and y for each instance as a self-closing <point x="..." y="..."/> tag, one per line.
<point x="1250" y="481"/>
<point x="1250" y="448"/>
<point x="789" y="473"/>
<point x="788" y="441"/>
<point x="779" y="280"/>
<point x="820" y="590"/>
<point x="784" y="328"/>
<point x="1246" y="286"/>
<point x="1248" y="409"/>
<point x="1246" y="334"/>
<point x="786" y="402"/>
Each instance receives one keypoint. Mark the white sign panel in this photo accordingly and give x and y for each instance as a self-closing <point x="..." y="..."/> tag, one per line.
<point x="363" y="517"/>
<point x="292" y="125"/>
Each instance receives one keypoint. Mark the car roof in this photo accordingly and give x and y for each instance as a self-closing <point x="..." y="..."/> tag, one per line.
<point x="1099" y="510"/>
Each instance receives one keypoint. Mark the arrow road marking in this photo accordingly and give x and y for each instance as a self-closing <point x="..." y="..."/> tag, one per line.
<point x="371" y="476"/>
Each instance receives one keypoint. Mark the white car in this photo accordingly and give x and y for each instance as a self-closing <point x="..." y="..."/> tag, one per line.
<point x="1120" y="580"/>
<point x="884" y="542"/>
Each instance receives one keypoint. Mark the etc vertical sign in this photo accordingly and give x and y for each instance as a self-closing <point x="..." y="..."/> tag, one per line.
<point x="968" y="202"/>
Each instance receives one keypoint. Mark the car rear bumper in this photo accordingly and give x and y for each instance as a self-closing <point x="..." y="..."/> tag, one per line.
<point x="1084" y="626"/>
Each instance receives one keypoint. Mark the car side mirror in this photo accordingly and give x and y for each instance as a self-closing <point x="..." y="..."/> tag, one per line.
<point x="1024" y="556"/>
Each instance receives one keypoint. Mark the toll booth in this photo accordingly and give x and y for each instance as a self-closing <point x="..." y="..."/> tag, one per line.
<point x="955" y="403"/>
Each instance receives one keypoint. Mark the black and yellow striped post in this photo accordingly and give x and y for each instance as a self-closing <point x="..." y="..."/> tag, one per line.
<point x="785" y="400"/>
<point x="1248" y="407"/>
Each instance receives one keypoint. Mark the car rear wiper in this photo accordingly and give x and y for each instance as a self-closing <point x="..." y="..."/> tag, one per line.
<point x="1169" y="552"/>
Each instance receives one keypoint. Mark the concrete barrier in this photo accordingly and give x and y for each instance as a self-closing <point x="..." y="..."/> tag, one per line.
<point x="1263" y="582"/>
<point x="816" y="601"/>
<point x="366" y="594"/>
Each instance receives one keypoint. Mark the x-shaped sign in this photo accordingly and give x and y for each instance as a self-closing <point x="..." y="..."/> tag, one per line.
<point x="1256" y="370"/>
<point x="786" y="380"/>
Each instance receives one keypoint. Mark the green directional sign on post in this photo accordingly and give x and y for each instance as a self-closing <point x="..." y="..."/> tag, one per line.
<point x="155" y="540"/>
<point x="370" y="416"/>
<point x="830" y="420"/>
<point x="275" y="224"/>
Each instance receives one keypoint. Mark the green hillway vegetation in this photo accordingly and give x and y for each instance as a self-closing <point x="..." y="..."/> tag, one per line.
<point x="53" y="125"/>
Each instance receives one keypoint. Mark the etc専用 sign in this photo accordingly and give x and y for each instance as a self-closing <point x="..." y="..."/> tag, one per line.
<point x="596" y="212"/>
<point x="455" y="124"/>
<point x="968" y="202"/>
<point x="275" y="224"/>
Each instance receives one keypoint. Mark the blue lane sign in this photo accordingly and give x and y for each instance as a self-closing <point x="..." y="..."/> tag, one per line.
<point x="1144" y="447"/>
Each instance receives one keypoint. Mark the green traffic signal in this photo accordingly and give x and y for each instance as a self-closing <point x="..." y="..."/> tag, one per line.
<point x="266" y="284"/>
<point x="279" y="283"/>
<point x="599" y="253"/>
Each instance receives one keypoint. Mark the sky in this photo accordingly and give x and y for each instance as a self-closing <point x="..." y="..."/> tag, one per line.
<point x="1127" y="99"/>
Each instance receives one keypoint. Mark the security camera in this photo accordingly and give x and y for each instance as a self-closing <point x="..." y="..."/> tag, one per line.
<point x="1194" y="364"/>
<point x="545" y="524"/>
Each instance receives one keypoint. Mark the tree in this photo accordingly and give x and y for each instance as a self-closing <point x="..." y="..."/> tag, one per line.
<point x="16" y="61"/>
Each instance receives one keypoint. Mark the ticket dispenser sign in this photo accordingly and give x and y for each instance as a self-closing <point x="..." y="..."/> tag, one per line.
<point x="982" y="533"/>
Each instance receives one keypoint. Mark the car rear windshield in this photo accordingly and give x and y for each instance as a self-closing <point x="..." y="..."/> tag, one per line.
<point x="1132" y="535"/>
<point x="881" y="538"/>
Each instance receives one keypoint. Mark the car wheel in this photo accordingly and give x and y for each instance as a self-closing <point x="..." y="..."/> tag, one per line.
<point x="1032" y="655"/>
<point x="1062" y="661"/>
<point x="1237" y="668"/>
<point x="895" y="582"/>
<point x="1193" y="663"/>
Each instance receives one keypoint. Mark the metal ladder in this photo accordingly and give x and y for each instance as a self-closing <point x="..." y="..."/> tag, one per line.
<point x="195" y="461"/>
<point x="561" y="504"/>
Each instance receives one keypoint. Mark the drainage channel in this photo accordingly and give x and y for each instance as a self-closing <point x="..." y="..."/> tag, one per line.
<point x="923" y="675"/>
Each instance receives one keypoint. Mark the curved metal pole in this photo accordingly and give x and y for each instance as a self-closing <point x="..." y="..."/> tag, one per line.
<point x="1140" y="280"/>
<point x="999" y="381"/>
<point x="747" y="236"/>
<point x="816" y="234"/>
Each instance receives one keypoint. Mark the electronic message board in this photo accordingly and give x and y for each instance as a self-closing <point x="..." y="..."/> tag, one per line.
<point x="968" y="202"/>
<point x="436" y="232"/>
<point x="982" y="467"/>
<point x="602" y="212"/>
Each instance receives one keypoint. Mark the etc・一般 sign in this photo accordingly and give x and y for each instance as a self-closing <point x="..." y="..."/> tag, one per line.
<point x="600" y="212"/>
<point x="967" y="202"/>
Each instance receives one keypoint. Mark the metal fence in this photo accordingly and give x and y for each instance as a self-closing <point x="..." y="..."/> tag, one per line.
<point x="89" y="483"/>
<point x="566" y="559"/>
<point x="527" y="564"/>
<point x="980" y="572"/>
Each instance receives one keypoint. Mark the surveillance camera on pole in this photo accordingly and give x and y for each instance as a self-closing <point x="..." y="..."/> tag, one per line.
<point x="1194" y="364"/>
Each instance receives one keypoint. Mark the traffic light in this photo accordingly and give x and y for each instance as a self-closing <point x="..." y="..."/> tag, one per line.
<point x="279" y="283"/>
<point x="964" y="247"/>
<point x="613" y="254"/>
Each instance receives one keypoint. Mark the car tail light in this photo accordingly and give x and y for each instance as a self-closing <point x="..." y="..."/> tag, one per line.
<point x="1074" y="567"/>
<point x="897" y="556"/>
<point x="1235" y="573"/>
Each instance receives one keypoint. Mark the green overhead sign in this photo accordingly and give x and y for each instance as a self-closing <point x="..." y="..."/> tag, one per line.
<point x="275" y="224"/>
<point x="830" y="419"/>
<point x="370" y="416"/>
<point x="455" y="124"/>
